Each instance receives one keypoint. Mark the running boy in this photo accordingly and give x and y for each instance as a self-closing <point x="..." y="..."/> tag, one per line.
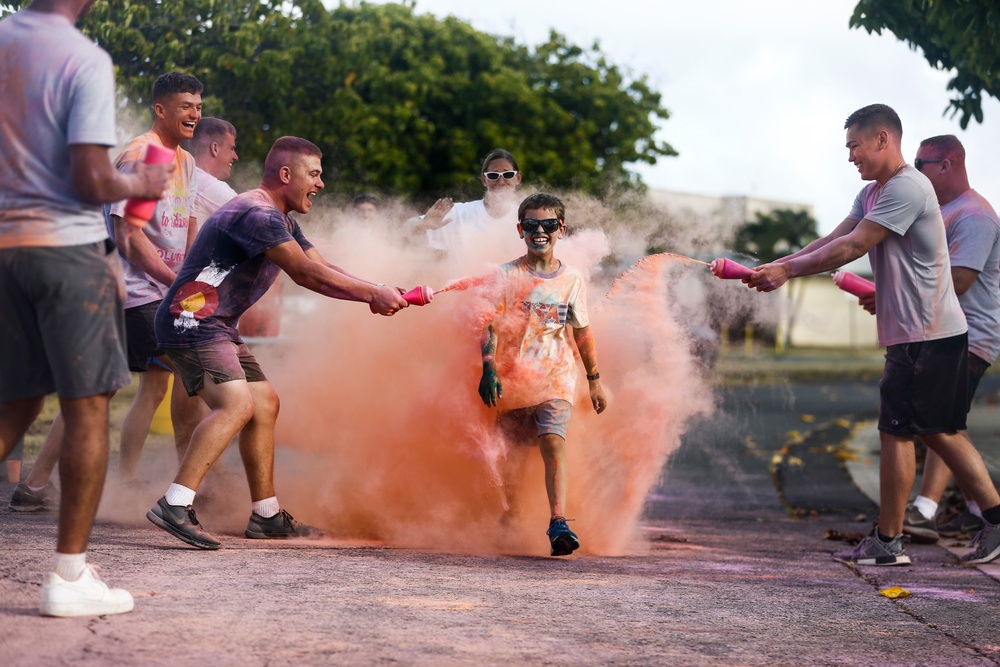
<point x="526" y="344"/>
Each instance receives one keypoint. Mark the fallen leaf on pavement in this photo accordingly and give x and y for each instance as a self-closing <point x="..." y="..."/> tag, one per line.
<point x="895" y="592"/>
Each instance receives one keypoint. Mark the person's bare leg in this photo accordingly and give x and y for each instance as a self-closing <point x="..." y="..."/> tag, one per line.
<point x="135" y="426"/>
<point x="257" y="441"/>
<point x="48" y="455"/>
<point x="936" y="476"/>
<point x="553" y="448"/>
<point x="230" y="408"/>
<point x="961" y="456"/>
<point x="15" y="418"/>
<point x="897" y="472"/>
<point x="186" y="412"/>
<point x="83" y="463"/>
<point x="511" y="472"/>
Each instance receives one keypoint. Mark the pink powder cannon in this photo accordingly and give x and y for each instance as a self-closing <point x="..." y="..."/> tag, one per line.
<point x="853" y="284"/>
<point x="139" y="211"/>
<point x="727" y="269"/>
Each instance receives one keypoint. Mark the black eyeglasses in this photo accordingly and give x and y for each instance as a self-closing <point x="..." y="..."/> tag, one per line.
<point x="918" y="163"/>
<point x="531" y="225"/>
<point x="495" y="175"/>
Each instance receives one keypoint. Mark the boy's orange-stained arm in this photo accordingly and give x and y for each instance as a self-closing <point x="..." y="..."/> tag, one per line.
<point x="588" y="352"/>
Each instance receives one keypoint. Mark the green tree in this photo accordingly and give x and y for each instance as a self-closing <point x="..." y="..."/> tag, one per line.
<point x="775" y="234"/>
<point x="959" y="35"/>
<point x="399" y="102"/>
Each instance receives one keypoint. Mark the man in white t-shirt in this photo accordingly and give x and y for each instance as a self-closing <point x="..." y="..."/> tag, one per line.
<point x="213" y="147"/>
<point x="60" y="279"/>
<point x="923" y="391"/>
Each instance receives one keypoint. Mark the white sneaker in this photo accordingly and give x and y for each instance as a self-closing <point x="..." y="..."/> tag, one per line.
<point x="87" y="596"/>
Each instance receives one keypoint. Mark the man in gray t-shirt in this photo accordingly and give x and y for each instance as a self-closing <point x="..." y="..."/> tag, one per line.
<point x="923" y="391"/>
<point x="973" y="230"/>
<point x="60" y="283"/>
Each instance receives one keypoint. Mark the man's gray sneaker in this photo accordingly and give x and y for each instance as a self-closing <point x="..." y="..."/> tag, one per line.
<point x="278" y="527"/>
<point x="25" y="500"/>
<point x="873" y="551"/>
<point x="918" y="527"/>
<point x="960" y="525"/>
<point x="986" y="545"/>
<point x="182" y="523"/>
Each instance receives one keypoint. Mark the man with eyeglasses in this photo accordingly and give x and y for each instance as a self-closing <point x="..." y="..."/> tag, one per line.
<point x="923" y="391"/>
<point x="973" y="230"/>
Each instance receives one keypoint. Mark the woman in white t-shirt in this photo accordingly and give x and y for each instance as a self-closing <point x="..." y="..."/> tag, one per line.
<point x="490" y="222"/>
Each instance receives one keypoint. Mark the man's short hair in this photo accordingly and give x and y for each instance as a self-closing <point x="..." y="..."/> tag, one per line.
<point x="947" y="144"/>
<point x="172" y="83"/>
<point x="281" y="151"/>
<point x="209" y="130"/>
<point x="542" y="200"/>
<point x="873" y="117"/>
<point x="364" y="198"/>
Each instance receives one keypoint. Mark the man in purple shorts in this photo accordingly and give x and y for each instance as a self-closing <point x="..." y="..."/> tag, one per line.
<point x="924" y="387"/>
<point x="61" y="288"/>
<point x="237" y="256"/>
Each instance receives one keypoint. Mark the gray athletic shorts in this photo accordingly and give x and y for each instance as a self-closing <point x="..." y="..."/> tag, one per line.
<point x="223" y="361"/>
<point x="550" y="417"/>
<point x="61" y="322"/>
<point x="924" y="387"/>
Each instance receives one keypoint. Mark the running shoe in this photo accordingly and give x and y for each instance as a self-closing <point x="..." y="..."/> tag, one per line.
<point x="873" y="551"/>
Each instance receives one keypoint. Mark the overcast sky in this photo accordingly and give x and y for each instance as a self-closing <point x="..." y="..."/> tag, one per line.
<point x="757" y="91"/>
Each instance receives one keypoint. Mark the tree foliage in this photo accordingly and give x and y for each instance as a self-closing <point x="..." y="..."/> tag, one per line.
<point x="959" y="35"/>
<point x="399" y="102"/>
<point x="776" y="234"/>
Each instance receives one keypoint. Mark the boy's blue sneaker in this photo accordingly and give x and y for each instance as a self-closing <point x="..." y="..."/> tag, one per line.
<point x="564" y="541"/>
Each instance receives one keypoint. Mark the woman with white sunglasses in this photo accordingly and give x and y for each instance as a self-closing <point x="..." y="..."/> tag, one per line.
<point x="450" y="226"/>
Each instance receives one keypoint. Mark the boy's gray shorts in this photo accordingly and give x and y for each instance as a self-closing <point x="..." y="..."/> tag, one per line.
<point x="550" y="417"/>
<point x="62" y="323"/>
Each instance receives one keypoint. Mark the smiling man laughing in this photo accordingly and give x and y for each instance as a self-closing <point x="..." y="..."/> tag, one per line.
<point x="237" y="256"/>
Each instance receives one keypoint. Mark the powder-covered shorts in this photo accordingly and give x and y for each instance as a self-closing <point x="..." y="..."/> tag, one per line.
<point x="550" y="417"/>
<point x="223" y="361"/>
<point x="925" y="387"/>
<point x="61" y="322"/>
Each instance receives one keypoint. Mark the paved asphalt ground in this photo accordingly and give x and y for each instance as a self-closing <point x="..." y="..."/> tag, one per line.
<point x="733" y="568"/>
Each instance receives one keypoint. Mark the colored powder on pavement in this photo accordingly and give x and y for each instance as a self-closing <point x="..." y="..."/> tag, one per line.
<point x="393" y="444"/>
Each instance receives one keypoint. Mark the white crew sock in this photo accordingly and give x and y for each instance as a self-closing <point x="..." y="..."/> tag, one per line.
<point x="266" y="508"/>
<point x="69" y="566"/>
<point x="973" y="507"/>
<point x="926" y="506"/>
<point x="38" y="490"/>
<point x="178" y="495"/>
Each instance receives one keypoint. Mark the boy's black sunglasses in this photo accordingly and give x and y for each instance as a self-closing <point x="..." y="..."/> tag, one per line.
<point x="548" y="226"/>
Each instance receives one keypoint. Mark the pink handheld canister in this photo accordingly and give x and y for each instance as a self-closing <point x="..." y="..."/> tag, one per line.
<point x="420" y="295"/>
<point x="853" y="284"/>
<point x="727" y="269"/>
<point x="139" y="211"/>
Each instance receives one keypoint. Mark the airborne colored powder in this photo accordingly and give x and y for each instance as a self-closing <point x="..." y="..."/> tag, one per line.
<point x="393" y="443"/>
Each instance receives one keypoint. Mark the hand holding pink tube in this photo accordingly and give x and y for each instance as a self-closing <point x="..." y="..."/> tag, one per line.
<point x="853" y="284"/>
<point x="420" y="295"/>
<point x="139" y="211"/>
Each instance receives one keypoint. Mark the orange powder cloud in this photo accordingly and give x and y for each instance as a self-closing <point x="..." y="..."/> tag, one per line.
<point x="391" y="442"/>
